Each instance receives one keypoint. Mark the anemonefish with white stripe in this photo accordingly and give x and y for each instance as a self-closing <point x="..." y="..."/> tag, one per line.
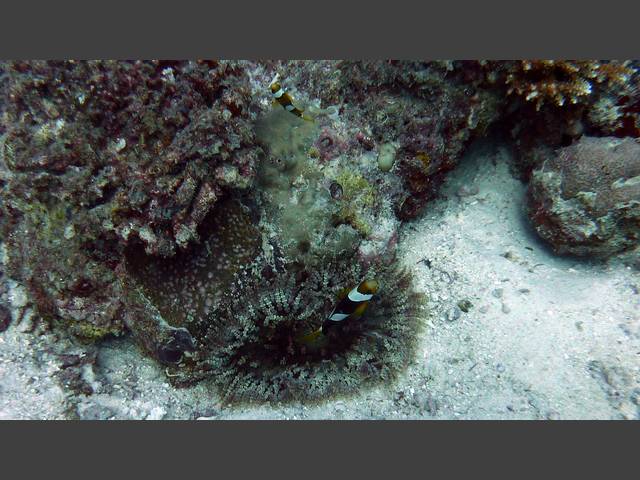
<point x="281" y="96"/>
<point x="351" y="306"/>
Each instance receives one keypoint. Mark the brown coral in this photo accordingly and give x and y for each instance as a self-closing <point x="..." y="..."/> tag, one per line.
<point x="563" y="82"/>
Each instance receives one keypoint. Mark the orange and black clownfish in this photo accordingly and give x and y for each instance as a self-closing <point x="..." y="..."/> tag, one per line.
<point x="350" y="306"/>
<point x="281" y="96"/>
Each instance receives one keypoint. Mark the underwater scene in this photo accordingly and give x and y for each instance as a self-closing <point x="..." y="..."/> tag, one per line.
<point x="320" y="239"/>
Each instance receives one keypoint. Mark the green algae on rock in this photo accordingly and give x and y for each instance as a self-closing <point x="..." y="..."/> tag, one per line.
<point x="295" y="193"/>
<point x="69" y="286"/>
<point x="357" y="202"/>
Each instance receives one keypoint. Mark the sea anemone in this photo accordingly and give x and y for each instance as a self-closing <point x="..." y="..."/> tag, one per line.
<point x="255" y="340"/>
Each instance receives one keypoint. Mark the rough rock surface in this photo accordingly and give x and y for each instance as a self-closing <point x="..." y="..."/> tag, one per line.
<point x="97" y="156"/>
<point x="585" y="200"/>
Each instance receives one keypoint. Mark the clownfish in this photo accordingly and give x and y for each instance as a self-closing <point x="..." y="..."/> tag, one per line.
<point x="351" y="306"/>
<point x="281" y="96"/>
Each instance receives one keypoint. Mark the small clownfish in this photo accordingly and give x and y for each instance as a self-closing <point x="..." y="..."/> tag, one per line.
<point x="281" y="96"/>
<point x="351" y="306"/>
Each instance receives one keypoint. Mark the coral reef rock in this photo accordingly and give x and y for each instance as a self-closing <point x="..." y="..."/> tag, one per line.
<point x="585" y="200"/>
<point x="428" y="111"/>
<point x="97" y="156"/>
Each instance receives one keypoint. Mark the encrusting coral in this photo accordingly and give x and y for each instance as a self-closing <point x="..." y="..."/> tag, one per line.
<point x="585" y="199"/>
